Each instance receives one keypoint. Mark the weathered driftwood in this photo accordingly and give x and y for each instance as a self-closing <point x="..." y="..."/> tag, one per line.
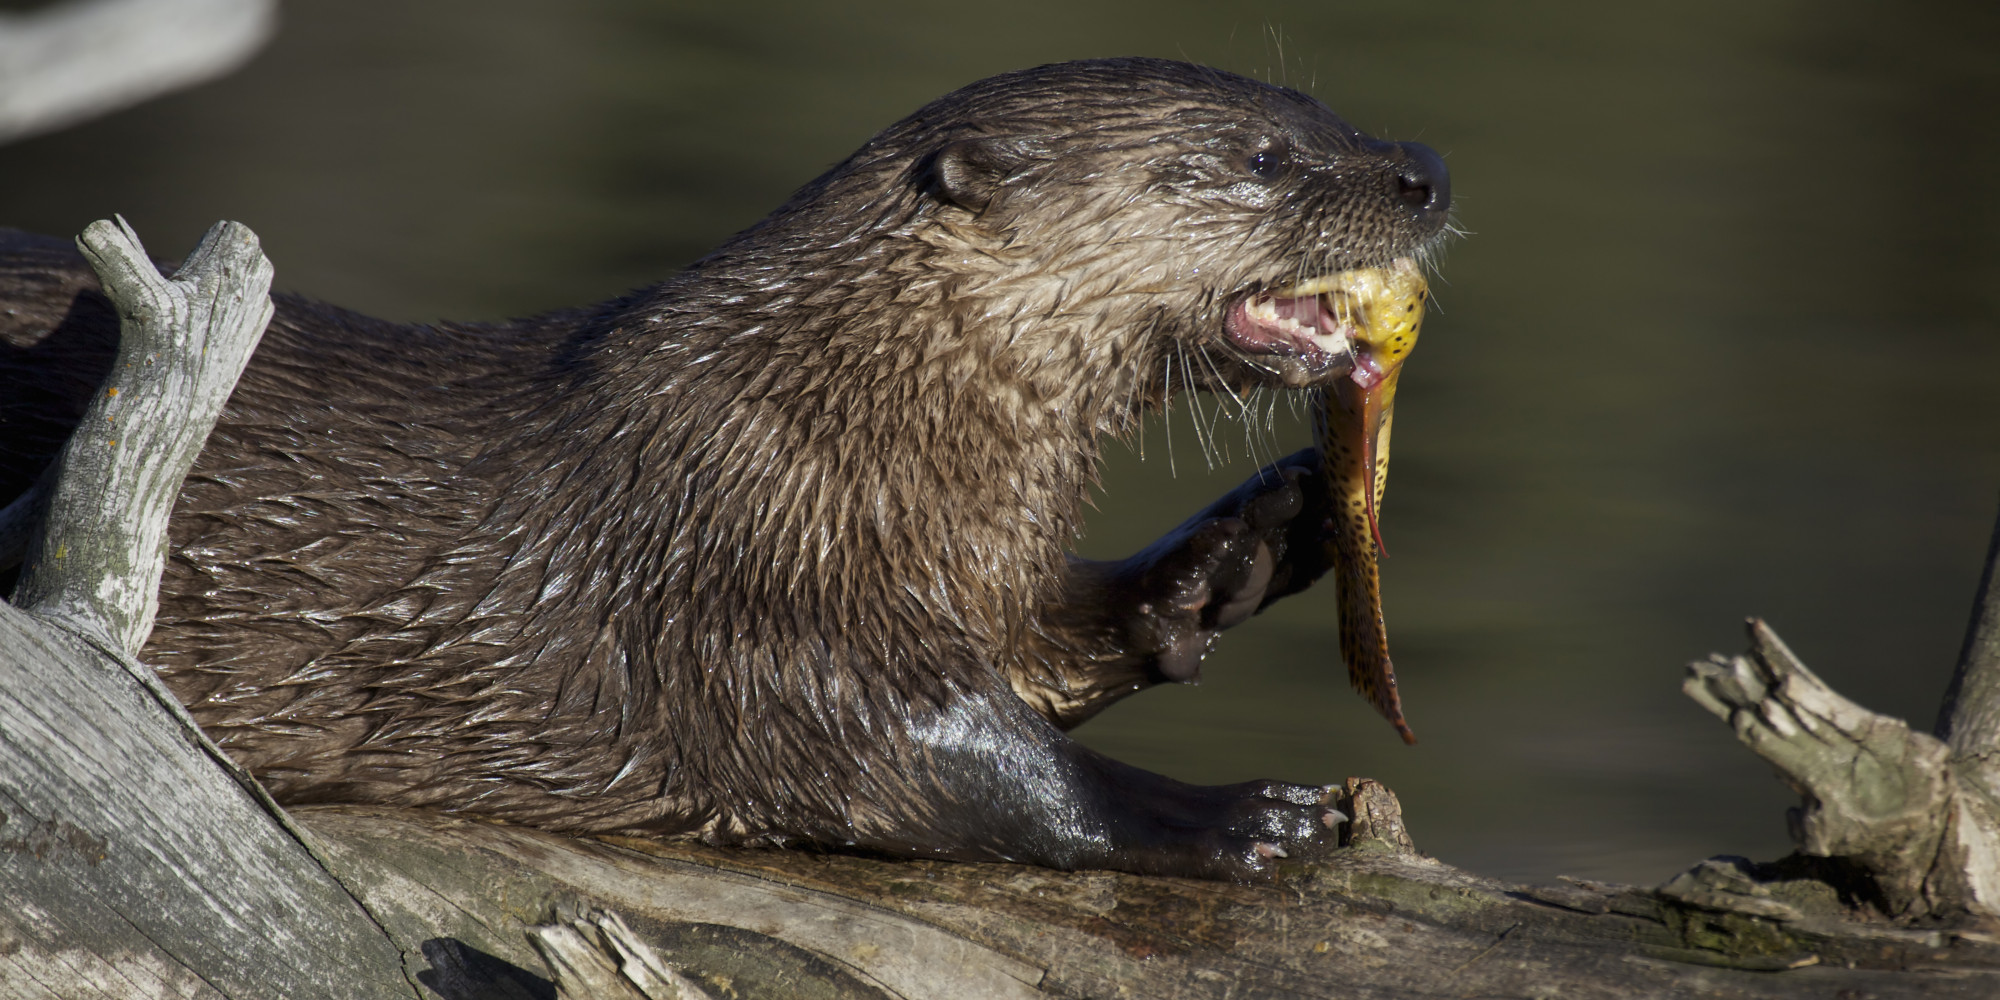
<point x="1367" y="920"/>
<point x="137" y="861"/>
<point x="183" y="342"/>
<point x="1909" y="822"/>
<point x="75" y="60"/>
<point x="596" y="955"/>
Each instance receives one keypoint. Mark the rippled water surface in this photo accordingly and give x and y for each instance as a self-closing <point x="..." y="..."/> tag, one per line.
<point x="1723" y="340"/>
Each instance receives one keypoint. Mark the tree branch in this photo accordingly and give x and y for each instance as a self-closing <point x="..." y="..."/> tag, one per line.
<point x="1913" y="820"/>
<point x="183" y="343"/>
<point x="136" y="859"/>
<point x="1970" y="716"/>
<point x="77" y="60"/>
<point x="597" y="957"/>
<point x="1914" y="826"/>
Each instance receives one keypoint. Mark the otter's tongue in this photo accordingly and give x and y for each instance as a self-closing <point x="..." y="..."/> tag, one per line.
<point x="1305" y="326"/>
<point x="1382" y="308"/>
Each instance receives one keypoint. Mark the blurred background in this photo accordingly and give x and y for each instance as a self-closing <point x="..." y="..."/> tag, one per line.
<point x="1724" y="339"/>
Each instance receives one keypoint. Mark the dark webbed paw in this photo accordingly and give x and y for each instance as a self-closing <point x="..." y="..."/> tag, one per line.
<point x="1274" y="819"/>
<point x="1236" y="832"/>
<point x="1257" y="543"/>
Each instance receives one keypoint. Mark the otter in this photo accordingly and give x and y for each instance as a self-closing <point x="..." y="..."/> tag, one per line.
<point x="777" y="551"/>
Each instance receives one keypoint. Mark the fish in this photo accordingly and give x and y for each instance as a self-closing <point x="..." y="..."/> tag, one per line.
<point x="1380" y="309"/>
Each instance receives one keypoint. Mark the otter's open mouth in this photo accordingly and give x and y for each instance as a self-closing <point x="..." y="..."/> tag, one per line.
<point x="1316" y="322"/>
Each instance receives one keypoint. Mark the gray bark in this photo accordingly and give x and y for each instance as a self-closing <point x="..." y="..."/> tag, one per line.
<point x="1970" y="717"/>
<point x="481" y="902"/>
<point x="136" y="860"/>
<point x="596" y="955"/>
<point x="72" y="61"/>
<point x="94" y="563"/>
<point x="1911" y="820"/>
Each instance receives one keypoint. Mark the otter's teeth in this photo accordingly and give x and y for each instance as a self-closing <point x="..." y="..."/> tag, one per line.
<point x="1332" y="343"/>
<point x="1265" y="311"/>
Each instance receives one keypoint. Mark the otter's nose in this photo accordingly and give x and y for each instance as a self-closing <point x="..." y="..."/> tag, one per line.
<point x="1425" y="184"/>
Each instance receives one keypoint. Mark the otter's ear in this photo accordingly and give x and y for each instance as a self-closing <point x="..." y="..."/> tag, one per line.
<point x="969" y="172"/>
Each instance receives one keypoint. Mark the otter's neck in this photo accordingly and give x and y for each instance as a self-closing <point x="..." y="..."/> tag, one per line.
<point x="891" y="436"/>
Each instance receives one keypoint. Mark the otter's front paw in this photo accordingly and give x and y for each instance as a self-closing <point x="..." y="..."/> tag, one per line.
<point x="1259" y="542"/>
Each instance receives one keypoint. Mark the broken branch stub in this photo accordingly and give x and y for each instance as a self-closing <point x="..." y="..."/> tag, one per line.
<point x="182" y="344"/>
<point x="1889" y="800"/>
<point x="136" y="860"/>
<point x="1375" y="818"/>
<point x="596" y="957"/>
<point x="1970" y="717"/>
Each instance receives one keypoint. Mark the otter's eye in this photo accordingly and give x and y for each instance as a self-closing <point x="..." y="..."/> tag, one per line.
<point x="1269" y="163"/>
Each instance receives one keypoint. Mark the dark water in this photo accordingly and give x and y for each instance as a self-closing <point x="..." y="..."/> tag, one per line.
<point x="1725" y="339"/>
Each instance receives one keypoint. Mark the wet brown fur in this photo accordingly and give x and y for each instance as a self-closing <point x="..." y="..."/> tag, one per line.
<point x="733" y="554"/>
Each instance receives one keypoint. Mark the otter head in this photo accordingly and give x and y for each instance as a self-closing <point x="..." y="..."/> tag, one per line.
<point x="1175" y="212"/>
<point x="1016" y="270"/>
<point x="1150" y="221"/>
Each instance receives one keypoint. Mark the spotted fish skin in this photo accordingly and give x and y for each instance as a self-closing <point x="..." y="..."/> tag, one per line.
<point x="1383" y="309"/>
